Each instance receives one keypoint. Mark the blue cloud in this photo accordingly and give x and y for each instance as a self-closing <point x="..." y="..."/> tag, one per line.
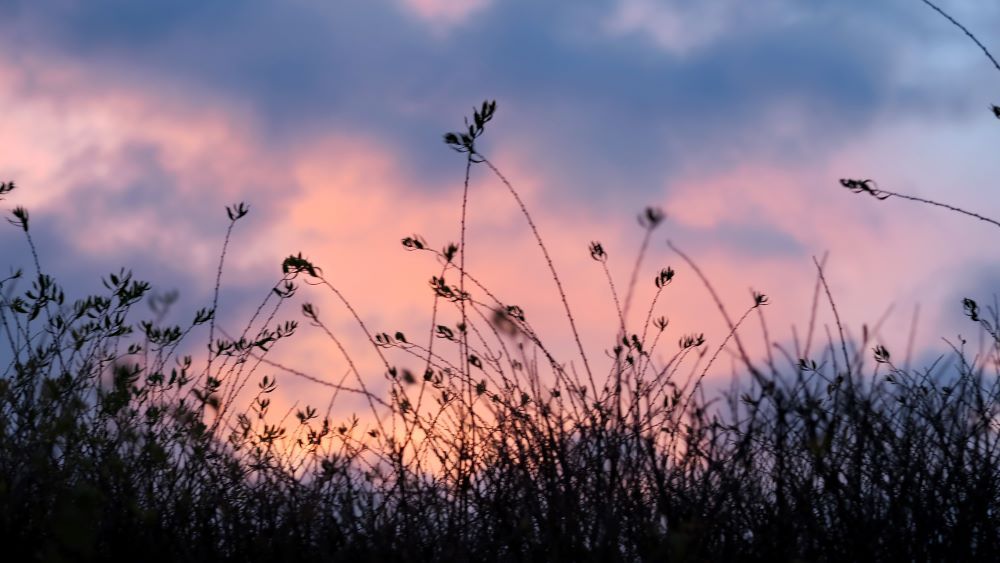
<point x="631" y="109"/>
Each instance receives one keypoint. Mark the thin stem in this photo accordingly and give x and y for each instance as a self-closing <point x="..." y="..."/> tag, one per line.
<point x="718" y="303"/>
<point x="463" y="345"/>
<point x="552" y="269"/>
<point x="635" y="272"/>
<point x="946" y="206"/>
<point x="836" y="316"/>
<point x="715" y="355"/>
<point x="215" y="295"/>
<point x="965" y="30"/>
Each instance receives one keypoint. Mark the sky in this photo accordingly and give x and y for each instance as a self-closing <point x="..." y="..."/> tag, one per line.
<point x="130" y="126"/>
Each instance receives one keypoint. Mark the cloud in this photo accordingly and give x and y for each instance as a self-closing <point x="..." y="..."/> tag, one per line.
<point x="445" y="13"/>
<point x="120" y="176"/>
<point x="682" y="27"/>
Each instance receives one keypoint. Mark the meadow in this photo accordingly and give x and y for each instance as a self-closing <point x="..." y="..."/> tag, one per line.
<point x="123" y="437"/>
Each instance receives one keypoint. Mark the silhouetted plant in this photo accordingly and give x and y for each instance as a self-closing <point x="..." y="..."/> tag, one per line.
<point x="115" y="442"/>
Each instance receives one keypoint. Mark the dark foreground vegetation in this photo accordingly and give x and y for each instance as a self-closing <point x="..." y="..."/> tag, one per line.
<point x="116" y="444"/>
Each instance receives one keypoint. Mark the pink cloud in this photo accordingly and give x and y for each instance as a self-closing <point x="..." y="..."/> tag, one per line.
<point x="881" y="253"/>
<point x="444" y="13"/>
<point x="74" y="133"/>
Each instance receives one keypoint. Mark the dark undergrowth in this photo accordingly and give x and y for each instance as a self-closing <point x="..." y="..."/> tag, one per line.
<point x="117" y="444"/>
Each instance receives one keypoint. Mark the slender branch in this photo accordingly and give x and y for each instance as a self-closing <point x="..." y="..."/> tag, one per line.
<point x="965" y="30"/>
<point x="836" y="316"/>
<point x="871" y="188"/>
<point x="552" y="269"/>
<point x="718" y="303"/>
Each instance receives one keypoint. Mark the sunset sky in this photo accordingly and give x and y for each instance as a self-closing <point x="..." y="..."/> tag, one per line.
<point x="129" y="126"/>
